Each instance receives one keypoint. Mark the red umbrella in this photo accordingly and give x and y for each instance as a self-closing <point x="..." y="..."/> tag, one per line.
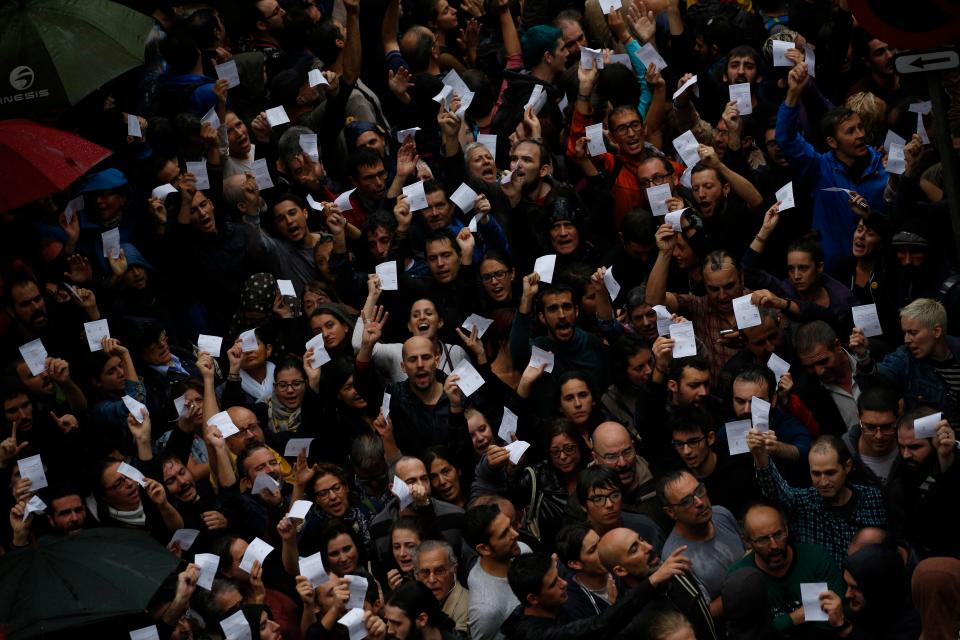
<point x="38" y="161"/>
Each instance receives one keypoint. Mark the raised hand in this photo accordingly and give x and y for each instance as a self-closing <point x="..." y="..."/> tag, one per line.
<point x="674" y="565"/>
<point x="79" y="269"/>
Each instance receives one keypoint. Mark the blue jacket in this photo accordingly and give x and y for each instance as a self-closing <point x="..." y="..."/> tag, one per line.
<point x="832" y="216"/>
<point x="918" y="379"/>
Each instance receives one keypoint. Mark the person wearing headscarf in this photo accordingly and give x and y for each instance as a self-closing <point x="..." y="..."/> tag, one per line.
<point x="936" y="595"/>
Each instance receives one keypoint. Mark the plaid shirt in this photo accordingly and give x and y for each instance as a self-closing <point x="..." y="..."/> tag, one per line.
<point x="813" y="521"/>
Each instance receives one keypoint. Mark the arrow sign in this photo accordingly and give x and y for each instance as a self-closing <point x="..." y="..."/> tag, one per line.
<point x="927" y="61"/>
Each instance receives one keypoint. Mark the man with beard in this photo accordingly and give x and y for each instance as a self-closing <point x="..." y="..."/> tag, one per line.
<point x="32" y="319"/>
<point x="412" y="613"/>
<point x="66" y="515"/>
<point x="631" y="558"/>
<point x="196" y="501"/>
<point x="439" y="214"/>
<point x="573" y="348"/>
<point x="926" y="368"/>
<point x="491" y="534"/>
<point x="54" y="388"/>
<point x="26" y="432"/>
<point x="849" y="164"/>
<point x="786" y="565"/>
<point x="292" y="253"/>
<point x="882" y="79"/>
<point x="708" y="533"/>
<point x="932" y="483"/>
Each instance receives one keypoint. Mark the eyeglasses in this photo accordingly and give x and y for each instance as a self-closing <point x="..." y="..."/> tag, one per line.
<point x="293" y="384"/>
<point x="890" y="427"/>
<point x="627" y="455"/>
<point x="777" y="536"/>
<point x="439" y="572"/>
<point x="687" y="501"/>
<point x="600" y="499"/>
<point x="580" y="39"/>
<point x="692" y="443"/>
<point x="249" y="429"/>
<point x="659" y="178"/>
<point x="567" y="450"/>
<point x="495" y="275"/>
<point x="622" y="129"/>
<point x="274" y="13"/>
<point x="323" y="493"/>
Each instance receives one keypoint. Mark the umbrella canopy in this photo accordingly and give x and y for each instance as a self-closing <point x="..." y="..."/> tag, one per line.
<point x="72" y="581"/>
<point x="38" y="161"/>
<point x="58" y="51"/>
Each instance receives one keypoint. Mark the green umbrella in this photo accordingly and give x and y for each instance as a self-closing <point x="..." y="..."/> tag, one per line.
<point x="58" y="51"/>
<point x="71" y="581"/>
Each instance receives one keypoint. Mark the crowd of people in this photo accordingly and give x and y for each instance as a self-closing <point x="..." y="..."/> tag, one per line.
<point x="500" y="320"/>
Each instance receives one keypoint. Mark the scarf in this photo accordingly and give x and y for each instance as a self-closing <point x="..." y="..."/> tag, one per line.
<point x="259" y="391"/>
<point x="281" y="418"/>
<point x="130" y="518"/>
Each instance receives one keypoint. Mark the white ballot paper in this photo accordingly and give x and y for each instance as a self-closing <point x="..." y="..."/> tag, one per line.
<point x="444" y="97"/>
<point x="684" y="340"/>
<point x="286" y="288"/>
<point x="277" y="116"/>
<point x="810" y="59"/>
<point x="470" y="379"/>
<point x="454" y="81"/>
<point x="609" y="5"/>
<point x="686" y="178"/>
<point x="224" y="424"/>
<point x="210" y="344"/>
<point x="264" y="481"/>
<point x="686" y="85"/>
<point x="464" y="197"/>
<point x="388" y="276"/>
<point x="594" y="134"/>
<point x="228" y="71"/>
<point x="780" y="48"/>
<point x="740" y="93"/>
<point x="517" y="448"/>
<point x="111" y="243"/>
<point x="649" y="55"/>
<point x="508" y="426"/>
<point x="310" y="146"/>
<point x="810" y="596"/>
<point x="620" y="58"/>
<point x="416" y="196"/>
<point x="295" y="445"/>
<point x="35" y="355"/>
<point x="343" y="200"/>
<point x="136" y="408"/>
<point x="687" y="146"/>
<point x="537" y="99"/>
<point x="675" y="219"/>
<point x="358" y="591"/>
<point x="926" y="427"/>
<point x="563" y="103"/>
<point x="663" y="320"/>
<point x="315" y="78"/>
<point x="312" y="569"/>
<point x="208" y="564"/>
<point x="248" y="341"/>
<point x="545" y="266"/>
<point x="133" y="126"/>
<point x="75" y="206"/>
<point x="737" y="436"/>
<point x="32" y="468"/>
<point x="211" y="117"/>
<point x="353" y="621"/>
<point x="481" y="323"/>
<point x="299" y="509"/>
<point x="785" y="197"/>
<point x="257" y="550"/>
<point x="613" y="287"/>
<point x="474" y="221"/>
<point x="489" y="140"/>
<point x="186" y="538"/>
<point x="538" y="357"/>
<point x="866" y="317"/>
<point x="896" y="163"/>
<point x="921" y="107"/>
<point x="760" y="414"/>
<point x="405" y="134"/>
<point x="778" y="365"/>
<point x="892" y="138"/>
<point x="236" y="627"/>
<point x="96" y="331"/>
<point x="146" y="633"/>
<point x="199" y="170"/>
<point x="839" y="190"/>
<point x="163" y="191"/>
<point x="316" y="206"/>
<point x="402" y="491"/>
<point x="34" y="505"/>
<point x="261" y="173"/>
<point x="747" y="313"/>
<point x="320" y="355"/>
<point x="922" y="130"/>
<point x="590" y="58"/>
<point x="129" y="471"/>
<point x="657" y="197"/>
<point x="505" y="177"/>
<point x="385" y="405"/>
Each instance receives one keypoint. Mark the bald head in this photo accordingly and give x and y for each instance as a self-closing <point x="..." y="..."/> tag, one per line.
<point x="624" y="553"/>
<point x="250" y="430"/>
<point x="613" y="546"/>
<point x="865" y="537"/>
<point x="613" y="448"/>
<point x="420" y="363"/>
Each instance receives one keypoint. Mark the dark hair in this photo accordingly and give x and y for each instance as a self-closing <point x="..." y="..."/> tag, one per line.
<point x="289" y="196"/>
<point x="290" y="361"/>
<point x="808" y="243"/>
<point x="431" y="185"/>
<point x="439" y="452"/>
<point x="700" y="167"/>
<point x="323" y="40"/>
<point x="910" y="416"/>
<point x="879" y="396"/>
<point x="692" y="419"/>
<point x="414" y="598"/>
<point x="626" y="346"/>
<point x="596" y="477"/>
<point x="556" y="288"/>
<point x="574" y="374"/>
<point x="202" y="26"/>
<point x="637" y="226"/>
<point x="497" y="255"/>
<point x="179" y="50"/>
<point x="362" y="157"/>
<point x="381" y="218"/>
<point x="337" y="528"/>
<point x="714" y="260"/>
<point x="545" y="156"/>
<point x="744" y="51"/>
<point x="570" y="542"/>
<point x="677" y="366"/>
<point x="180" y="387"/>
<point x="563" y="427"/>
<point x="441" y="235"/>
<point x="667" y="479"/>
<point x="246" y="452"/>
<point x="665" y="164"/>
<point x="406" y="523"/>
<point x="812" y="335"/>
<point x="476" y="524"/>
<point x="419" y="54"/>
<point x="327" y="469"/>
<point x="834" y="443"/>
<point x="833" y="119"/>
<point x="526" y="575"/>
<point x="757" y="375"/>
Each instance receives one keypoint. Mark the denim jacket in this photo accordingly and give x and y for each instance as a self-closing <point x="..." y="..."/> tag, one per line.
<point x="918" y="378"/>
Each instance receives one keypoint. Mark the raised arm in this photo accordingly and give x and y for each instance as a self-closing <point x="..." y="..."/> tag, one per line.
<point x="740" y="185"/>
<point x="657" y="280"/>
<point x="390" y="27"/>
<point x="353" y="52"/>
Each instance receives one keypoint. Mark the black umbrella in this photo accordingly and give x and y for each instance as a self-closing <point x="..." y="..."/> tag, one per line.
<point x="71" y="581"/>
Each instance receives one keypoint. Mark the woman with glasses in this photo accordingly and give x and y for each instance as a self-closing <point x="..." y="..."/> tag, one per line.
<point x="327" y="487"/>
<point x="497" y="276"/>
